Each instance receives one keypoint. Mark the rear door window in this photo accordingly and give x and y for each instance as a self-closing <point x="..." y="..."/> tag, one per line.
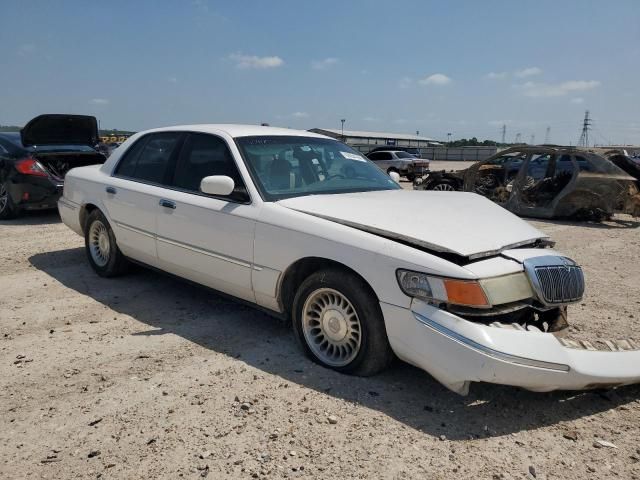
<point x="150" y="158"/>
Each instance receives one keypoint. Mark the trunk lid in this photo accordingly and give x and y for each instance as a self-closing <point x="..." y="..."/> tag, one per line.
<point x="449" y="222"/>
<point x="60" y="129"/>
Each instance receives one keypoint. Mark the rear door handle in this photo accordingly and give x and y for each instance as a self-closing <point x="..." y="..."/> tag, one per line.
<point x="168" y="204"/>
<point x="111" y="190"/>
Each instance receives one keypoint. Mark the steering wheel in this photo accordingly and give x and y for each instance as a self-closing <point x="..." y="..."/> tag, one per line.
<point x="335" y="175"/>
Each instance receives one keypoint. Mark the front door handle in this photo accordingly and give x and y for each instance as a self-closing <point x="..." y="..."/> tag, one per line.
<point x="168" y="204"/>
<point x="111" y="190"/>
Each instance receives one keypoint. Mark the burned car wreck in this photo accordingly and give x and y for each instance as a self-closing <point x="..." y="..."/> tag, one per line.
<point x="546" y="182"/>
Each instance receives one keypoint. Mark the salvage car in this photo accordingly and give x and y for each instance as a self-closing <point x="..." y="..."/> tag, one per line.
<point x="400" y="162"/>
<point x="271" y="216"/>
<point x="543" y="182"/>
<point x="33" y="163"/>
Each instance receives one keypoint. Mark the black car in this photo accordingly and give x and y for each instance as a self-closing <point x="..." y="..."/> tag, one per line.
<point x="33" y="163"/>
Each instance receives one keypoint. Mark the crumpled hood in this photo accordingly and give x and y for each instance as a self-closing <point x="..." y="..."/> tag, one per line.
<point x="453" y="222"/>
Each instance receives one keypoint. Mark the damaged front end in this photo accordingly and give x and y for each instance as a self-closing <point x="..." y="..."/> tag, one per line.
<point x="521" y="339"/>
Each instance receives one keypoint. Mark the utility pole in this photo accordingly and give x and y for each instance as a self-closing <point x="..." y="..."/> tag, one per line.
<point x="449" y="138"/>
<point x="547" y="136"/>
<point x="586" y="126"/>
<point x="533" y="139"/>
<point x="342" y="122"/>
<point x="518" y="138"/>
<point x="504" y="132"/>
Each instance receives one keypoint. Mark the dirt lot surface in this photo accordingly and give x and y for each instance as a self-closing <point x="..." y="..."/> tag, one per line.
<point x="148" y="377"/>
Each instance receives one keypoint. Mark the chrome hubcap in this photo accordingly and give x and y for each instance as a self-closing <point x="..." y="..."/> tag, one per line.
<point x="99" y="244"/>
<point x="331" y="327"/>
<point x="4" y="197"/>
<point x="444" y="187"/>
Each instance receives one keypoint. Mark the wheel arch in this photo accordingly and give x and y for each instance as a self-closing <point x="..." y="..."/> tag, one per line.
<point x="85" y="211"/>
<point x="299" y="270"/>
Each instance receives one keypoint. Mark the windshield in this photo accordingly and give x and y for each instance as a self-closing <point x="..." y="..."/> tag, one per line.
<point x="284" y="167"/>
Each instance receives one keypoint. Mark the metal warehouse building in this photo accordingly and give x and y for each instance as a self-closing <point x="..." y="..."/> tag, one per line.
<point x="428" y="147"/>
<point x="367" y="141"/>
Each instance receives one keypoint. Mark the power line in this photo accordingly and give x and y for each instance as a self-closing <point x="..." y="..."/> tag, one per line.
<point x="586" y="126"/>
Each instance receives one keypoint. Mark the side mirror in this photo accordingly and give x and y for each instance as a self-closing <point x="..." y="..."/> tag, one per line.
<point x="395" y="176"/>
<point x="217" y="185"/>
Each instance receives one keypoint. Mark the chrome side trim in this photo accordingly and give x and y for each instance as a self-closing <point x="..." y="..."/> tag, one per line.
<point x="505" y="357"/>
<point x="68" y="203"/>
<point x="192" y="248"/>
<point x="136" y="230"/>
<point x="202" y="251"/>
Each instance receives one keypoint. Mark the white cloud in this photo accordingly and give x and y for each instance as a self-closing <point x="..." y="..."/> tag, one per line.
<point x="253" y="61"/>
<point x="99" y="101"/>
<point x="300" y="115"/>
<point x="528" y="72"/>
<point x="577" y="100"/>
<point x="496" y="75"/>
<point x="324" y="63"/>
<point x="436" y="79"/>
<point x="405" y="82"/>
<point x="532" y="89"/>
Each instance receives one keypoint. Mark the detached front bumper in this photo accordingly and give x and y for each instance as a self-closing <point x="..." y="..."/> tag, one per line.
<point x="456" y="352"/>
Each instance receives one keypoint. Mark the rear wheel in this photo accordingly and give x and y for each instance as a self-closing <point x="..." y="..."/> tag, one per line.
<point x="103" y="253"/>
<point x="339" y="324"/>
<point x="8" y="209"/>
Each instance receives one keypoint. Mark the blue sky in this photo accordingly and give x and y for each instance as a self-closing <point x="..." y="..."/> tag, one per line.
<point x="465" y="67"/>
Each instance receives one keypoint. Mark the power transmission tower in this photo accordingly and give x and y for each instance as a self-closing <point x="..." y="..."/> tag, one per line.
<point x="547" y="136"/>
<point x="533" y="139"/>
<point x="504" y="132"/>
<point x="518" y="138"/>
<point x="586" y="126"/>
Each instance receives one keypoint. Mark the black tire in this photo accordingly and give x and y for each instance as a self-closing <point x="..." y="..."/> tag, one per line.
<point x="374" y="353"/>
<point x="116" y="263"/>
<point x="411" y="177"/>
<point x="8" y="209"/>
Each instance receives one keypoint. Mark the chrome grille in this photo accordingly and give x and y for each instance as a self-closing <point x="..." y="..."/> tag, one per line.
<point x="560" y="283"/>
<point x="556" y="280"/>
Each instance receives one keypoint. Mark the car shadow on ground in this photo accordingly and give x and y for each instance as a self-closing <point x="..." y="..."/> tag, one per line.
<point x="34" y="217"/>
<point x="408" y="395"/>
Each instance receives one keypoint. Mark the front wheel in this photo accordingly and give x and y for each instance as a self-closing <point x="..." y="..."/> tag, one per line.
<point x="103" y="253"/>
<point x="339" y="324"/>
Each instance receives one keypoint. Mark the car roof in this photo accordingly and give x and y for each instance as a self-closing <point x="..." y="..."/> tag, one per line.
<point x="236" y="131"/>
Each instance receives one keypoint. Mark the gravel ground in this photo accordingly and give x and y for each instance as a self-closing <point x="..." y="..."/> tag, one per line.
<point x="148" y="377"/>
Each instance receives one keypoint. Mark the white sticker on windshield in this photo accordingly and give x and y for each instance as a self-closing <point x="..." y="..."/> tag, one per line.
<point x="352" y="156"/>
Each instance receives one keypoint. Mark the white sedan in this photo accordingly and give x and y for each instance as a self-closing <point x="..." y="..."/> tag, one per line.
<point x="308" y="229"/>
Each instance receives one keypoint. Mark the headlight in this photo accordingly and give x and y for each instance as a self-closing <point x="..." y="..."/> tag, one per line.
<point x="468" y="293"/>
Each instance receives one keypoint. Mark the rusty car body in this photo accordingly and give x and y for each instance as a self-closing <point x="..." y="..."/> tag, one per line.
<point x="545" y="182"/>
